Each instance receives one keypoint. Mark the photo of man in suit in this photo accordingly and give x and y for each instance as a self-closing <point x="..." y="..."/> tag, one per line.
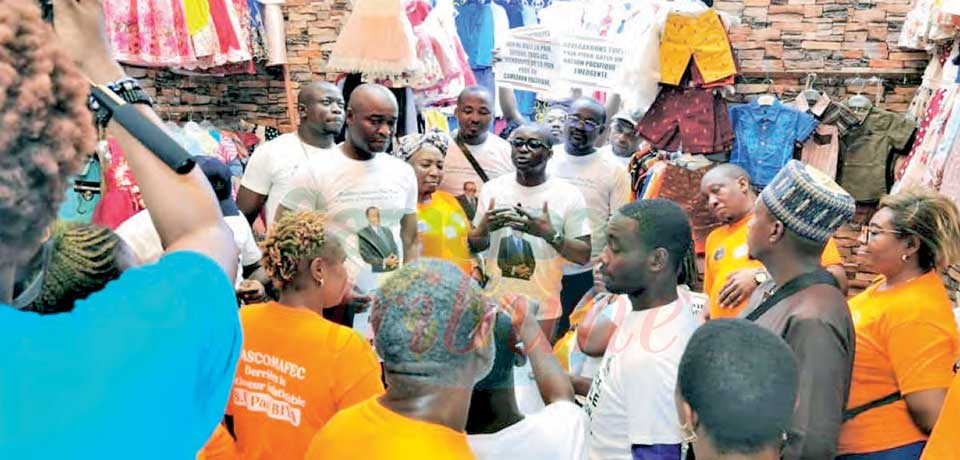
<point x="377" y="244"/>
<point x="468" y="201"/>
<point x="515" y="258"/>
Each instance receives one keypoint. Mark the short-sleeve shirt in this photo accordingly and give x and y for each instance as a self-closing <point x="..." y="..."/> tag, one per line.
<point x="727" y="252"/>
<point x="347" y="191"/>
<point x="146" y="362"/>
<point x="943" y="439"/>
<point x="518" y="263"/>
<point x="866" y="152"/>
<point x="369" y="430"/>
<point x="907" y="341"/>
<point x="296" y="371"/>
<point x="493" y="155"/>
<point x="765" y="137"/>
<point x="273" y="165"/>
<point x="631" y="401"/>
<point x="605" y="185"/>
<point x="556" y="432"/>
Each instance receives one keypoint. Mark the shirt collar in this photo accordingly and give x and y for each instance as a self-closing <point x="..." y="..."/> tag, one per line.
<point x="766" y="112"/>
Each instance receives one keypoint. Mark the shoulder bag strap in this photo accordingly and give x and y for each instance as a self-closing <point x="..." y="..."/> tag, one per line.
<point x="888" y="399"/>
<point x="792" y="287"/>
<point x="473" y="161"/>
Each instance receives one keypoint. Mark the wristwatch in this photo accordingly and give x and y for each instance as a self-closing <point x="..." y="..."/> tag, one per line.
<point x="761" y="277"/>
<point x="128" y="89"/>
<point x="556" y="240"/>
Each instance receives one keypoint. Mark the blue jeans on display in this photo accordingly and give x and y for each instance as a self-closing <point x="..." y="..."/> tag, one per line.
<point x="907" y="452"/>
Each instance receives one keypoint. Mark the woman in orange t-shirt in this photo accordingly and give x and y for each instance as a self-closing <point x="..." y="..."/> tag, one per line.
<point x="442" y="222"/>
<point x="907" y="337"/>
<point x="297" y="369"/>
<point x="943" y="441"/>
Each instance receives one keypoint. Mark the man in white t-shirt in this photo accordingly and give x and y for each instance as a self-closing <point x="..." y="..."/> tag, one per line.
<point x="474" y="115"/>
<point x="140" y="234"/>
<point x="527" y="222"/>
<point x="273" y="164"/>
<point x="624" y="139"/>
<point x="605" y="186"/>
<point x="497" y="429"/>
<point x="354" y="179"/>
<point x="631" y="402"/>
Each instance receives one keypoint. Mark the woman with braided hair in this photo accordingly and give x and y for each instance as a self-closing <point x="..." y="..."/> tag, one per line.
<point x="77" y="261"/>
<point x="324" y="366"/>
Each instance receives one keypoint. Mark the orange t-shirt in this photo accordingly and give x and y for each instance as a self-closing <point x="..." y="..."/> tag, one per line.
<point x="906" y="340"/>
<point x="944" y="442"/>
<point x="727" y="252"/>
<point x="370" y="431"/>
<point x="443" y="227"/>
<point x="220" y="446"/>
<point x="296" y="371"/>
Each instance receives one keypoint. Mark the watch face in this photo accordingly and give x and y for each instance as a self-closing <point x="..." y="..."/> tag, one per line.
<point x="718" y="254"/>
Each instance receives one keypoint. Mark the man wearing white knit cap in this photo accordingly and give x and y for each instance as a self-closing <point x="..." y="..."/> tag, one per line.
<point x="793" y="219"/>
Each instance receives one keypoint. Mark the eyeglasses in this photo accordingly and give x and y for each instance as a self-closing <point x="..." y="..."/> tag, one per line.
<point x="532" y="144"/>
<point x="869" y="232"/>
<point x="327" y="102"/>
<point x="586" y="125"/>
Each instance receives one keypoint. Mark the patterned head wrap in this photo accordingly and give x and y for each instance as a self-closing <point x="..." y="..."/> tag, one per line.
<point x="410" y="144"/>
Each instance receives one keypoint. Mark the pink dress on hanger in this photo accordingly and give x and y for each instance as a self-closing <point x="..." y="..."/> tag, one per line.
<point x="148" y="32"/>
<point x="121" y="197"/>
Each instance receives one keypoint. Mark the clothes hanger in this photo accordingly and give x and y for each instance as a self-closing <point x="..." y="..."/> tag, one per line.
<point x="879" y="96"/>
<point x="810" y="94"/>
<point x="859" y="101"/>
<point x="767" y="99"/>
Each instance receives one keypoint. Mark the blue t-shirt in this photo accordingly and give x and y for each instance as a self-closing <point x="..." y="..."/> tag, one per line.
<point x="766" y="136"/>
<point x="141" y="369"/>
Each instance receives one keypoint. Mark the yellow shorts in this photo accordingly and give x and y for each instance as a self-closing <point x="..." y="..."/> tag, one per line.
<point x="701" y="36"/>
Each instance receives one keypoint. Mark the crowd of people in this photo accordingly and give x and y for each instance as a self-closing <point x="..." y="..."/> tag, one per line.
<point x="447" y="296"/>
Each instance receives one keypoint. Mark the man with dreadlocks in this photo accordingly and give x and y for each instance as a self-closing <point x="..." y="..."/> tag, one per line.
<point x="325" y="366"/>
<point x="145" y="365"/>
<point x="77" y="261"/>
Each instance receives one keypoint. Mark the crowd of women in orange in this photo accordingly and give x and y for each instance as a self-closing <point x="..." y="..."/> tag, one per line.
<point x="442" y="222"/>
<point x="907" y="340"/>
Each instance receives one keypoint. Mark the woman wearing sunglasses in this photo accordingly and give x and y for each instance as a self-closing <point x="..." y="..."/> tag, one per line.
<point x="907" y="337"/>
<point x="442" y="222"/>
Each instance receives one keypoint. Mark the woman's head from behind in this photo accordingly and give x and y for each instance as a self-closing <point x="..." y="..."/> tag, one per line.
<point x="80" y="260"/>
<point x="912" y="229"/>
<point x="47" y="127"/>
<point x="736" y="389"/>
<point x="299" y="256"/>
<point x="425" y="153"/>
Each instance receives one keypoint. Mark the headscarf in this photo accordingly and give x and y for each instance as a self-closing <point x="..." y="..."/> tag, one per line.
<point x="410" y="144"/>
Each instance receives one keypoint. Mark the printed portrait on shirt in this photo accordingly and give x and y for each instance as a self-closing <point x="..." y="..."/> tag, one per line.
<point x="377" y="245"/>
<point x="515" y="258"/>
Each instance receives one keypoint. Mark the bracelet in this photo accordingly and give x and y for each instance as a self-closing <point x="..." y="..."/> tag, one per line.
<point x="556" y="240"/>
<point x="128" y="88"/>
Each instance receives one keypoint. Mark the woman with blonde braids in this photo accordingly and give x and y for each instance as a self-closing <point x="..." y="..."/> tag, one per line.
<point x="77" y="261"/>
<point x="309" y="367"/>
<point x="907" y="338"/>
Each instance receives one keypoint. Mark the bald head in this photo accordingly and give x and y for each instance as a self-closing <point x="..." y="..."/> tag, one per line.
<point x="315" y="91"/>
<point x="371" y="118"/>
<point x="728" y="191"/>
<point x="475" y="91"/>
<point x="474" y="114"/>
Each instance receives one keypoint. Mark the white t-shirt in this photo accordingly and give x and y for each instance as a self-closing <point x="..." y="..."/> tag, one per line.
<point x="608" y="151"/>
<point x="605" y="186"/>
<point x="273" y="164"/>
<point x="631" y="400"/>
<point x="345" y="189"/>
<point x="533" y="267"/>
<point x="142" y="237"/>
<point x="558" y="432"/>
<point x="493" y="155"/>
<point x="613" y="308"/>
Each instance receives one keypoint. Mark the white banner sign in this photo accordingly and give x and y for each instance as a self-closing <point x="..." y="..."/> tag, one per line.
<point x="535" y="59"/>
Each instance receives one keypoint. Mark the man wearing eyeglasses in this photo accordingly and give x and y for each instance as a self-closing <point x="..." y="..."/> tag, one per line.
<point x="527" y="222"/>
<point x="601" y="179"/>
<point x="273" y="164"/>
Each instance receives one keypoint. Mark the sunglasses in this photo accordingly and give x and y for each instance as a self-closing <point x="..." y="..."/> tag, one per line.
<point x="532" y="144"/>
<point x="586" y="125"/>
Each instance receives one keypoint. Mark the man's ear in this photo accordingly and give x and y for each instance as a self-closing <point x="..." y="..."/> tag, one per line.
<point x="658" y="260"/>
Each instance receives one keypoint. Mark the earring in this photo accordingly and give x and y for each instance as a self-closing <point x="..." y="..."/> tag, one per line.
<point x="687" y="433"/>
<point x="319" y="282"/>
<point x="904" y="257"/>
